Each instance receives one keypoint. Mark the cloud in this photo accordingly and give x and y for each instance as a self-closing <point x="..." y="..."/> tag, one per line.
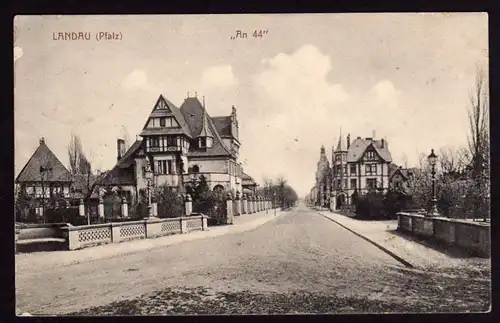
<point x="386" y="95"/>
<point x="300" y="108"/>
<point x="218" y="77"/>
<point x="135" y="80"/>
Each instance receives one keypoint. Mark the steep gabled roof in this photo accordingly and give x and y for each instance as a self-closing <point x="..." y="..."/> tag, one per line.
<point x="359" y="146"/>
<point x="165" y="108"/>
<point x="119" y="176"/>
<point x="405" y="172"/>
<point x="129" y="155"/>
<point x="43" y="156"/>
<point x="247" y="180"/>
<point x="192" y="110"/>
<point x="223" y="125"/>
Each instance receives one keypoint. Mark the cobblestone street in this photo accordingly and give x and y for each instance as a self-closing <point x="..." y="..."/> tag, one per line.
<point x="301" y="262"/>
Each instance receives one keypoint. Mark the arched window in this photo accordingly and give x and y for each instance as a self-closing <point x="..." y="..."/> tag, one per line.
<point x="219" y="188"/>
<point x="195" y="169"/>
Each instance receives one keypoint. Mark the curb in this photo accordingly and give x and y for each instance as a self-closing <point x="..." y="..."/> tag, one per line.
<point x="387" y="251"/>
<point x="181" y="238"/>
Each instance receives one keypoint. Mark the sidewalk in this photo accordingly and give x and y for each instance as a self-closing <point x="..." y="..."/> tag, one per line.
<point x="52" y="259"/>
<point x="383" y="234"/>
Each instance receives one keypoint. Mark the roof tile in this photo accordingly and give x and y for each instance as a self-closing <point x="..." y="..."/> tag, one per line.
<point x="43" y="156"/>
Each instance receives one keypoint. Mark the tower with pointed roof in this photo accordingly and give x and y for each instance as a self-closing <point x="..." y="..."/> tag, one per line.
<point x="322" y="178"/>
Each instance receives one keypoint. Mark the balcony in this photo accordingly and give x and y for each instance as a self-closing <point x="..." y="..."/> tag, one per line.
<point x="166" y="149"/>
<point x="169" y="180"/>
<point x="210" y="177"/>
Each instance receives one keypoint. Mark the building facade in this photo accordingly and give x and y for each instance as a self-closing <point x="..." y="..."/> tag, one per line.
<point x="178" y="146"/>
<point x="44" y="176"/>
<point x="358" y="167"/>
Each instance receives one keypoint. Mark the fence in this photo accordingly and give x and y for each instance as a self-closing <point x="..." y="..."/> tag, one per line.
<point x="470" y="236"/>
<point x="91" y="235"/>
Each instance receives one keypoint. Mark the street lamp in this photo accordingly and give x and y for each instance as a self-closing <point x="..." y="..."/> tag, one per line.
<point x="43" y="171"/>
<point x="149" y="177"/>
<point x="274" y="202"/>
<point x="432" y="158"/>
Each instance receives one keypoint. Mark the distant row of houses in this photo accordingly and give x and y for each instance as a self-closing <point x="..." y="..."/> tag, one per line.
<point x="177" y="146"/>
<point x="357" y="166"/>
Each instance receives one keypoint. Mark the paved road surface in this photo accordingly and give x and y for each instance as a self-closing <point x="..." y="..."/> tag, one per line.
<point x="300" y="252"/>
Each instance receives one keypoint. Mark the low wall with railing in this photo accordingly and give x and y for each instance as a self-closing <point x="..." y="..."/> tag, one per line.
<point x="473" y="237"/>
<point x="90" y="235"/>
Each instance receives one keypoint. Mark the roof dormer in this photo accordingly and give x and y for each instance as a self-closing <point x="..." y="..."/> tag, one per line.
<point x="205" y="138"/>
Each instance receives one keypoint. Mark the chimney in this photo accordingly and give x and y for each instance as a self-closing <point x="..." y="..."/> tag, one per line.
<point x="42" y="141"/>
<point x="120" y="147"/>
<point x="348" y="140"/>
<point x="383" y="143"/>
<point x="373" y="134"/>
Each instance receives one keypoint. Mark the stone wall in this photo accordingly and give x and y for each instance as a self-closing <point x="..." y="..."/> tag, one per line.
<point x="474" y="237"/>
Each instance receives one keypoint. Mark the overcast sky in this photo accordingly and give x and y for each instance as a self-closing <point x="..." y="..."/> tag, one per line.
<point x="406" y="76"/>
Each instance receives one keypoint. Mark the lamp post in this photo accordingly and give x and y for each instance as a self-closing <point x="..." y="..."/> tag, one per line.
<point x="43" y="171"/>
<point x="149" y="177"/>
<point x="432" y="158"/>
<point x="274" y="202"/>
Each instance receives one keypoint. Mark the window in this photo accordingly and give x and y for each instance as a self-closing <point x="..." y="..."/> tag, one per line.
<point x="371" y="169"/>
<point x="353" y="169"/>
<point x="370" y="155"/>
<point x="353" y="183"/>
<point x="154" y="142"/>
<point x="162" y="122"/>
<point x="164" y="167"/>
<point x="209" y="142"/>
<point x="371" y="183"/>
<point x="202" y="142"/>
<point x="195" y="169"/>
<point x="170" y="141"/>
<point x="345" y="169"/>
<point x="345" y="183"/>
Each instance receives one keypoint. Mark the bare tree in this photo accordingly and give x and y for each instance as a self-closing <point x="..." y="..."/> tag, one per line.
<point x="79" y="163"/>
<point x="75" y="152"/>
<point x="452" y="160"/>
<point x="478" y="138"/>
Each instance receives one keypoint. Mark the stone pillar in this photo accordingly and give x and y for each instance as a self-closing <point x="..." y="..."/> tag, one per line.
<point x="100" y="208"/>
<point x="333" y="202"/>
<point x="250" y="204"/>
<point x="81" y="208"/>
<point x="229" y="207"/>
<point x="204" y="222"/>
<point x="244" y="205"/>
<point x="257" y="203"/>
<point x="188" y="205"/>
<point x="238" y="204"/>
<point x="124" y="208"/>
<point x="155" y="209"/>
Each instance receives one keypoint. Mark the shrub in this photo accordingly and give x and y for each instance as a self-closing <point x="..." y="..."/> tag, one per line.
<point x="170" y="203"/>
